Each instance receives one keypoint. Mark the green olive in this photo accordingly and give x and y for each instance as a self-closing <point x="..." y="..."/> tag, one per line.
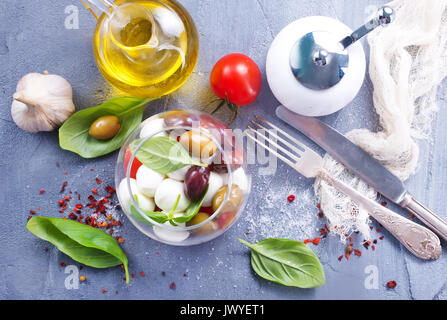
<point x="197" y="144"/>
<point x="209" y="227"/>
<point x="234" y="199"/>
<point x="105" y="127"/>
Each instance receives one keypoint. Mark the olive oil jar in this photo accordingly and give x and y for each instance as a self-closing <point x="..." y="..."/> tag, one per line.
<point x="145" y="48"/>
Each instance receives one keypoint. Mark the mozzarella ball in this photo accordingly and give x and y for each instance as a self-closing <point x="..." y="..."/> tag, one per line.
<point x="126" y="201"/>
<point x="167" y="193"/>
<point x="151" y="127"/>
<point x="148" y="180"/>
<point x="239" y="178"/>
<point x="214" y="184"/>
<point x="179" y="174"/>
<point x="171" y="235"/>
<point x="145" y="203"/>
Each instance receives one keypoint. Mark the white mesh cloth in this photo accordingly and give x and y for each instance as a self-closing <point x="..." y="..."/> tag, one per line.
<point x="408" y="61"/>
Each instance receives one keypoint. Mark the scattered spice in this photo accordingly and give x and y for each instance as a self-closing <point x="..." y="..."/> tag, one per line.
<point x="172" y="286"/>
<point x="411" y="215"/>
<point x="391" y="284"/>
<point x="340" y="258"/>
<point x="349" y="248"/>
<point x="357" y="252"/>
<point x="384" y="203"/>
<point x="98" y="181"/>
<point x="142" y="273"/>
<point x="32" y="212"/>
<point x="315" y="241"/>
<point x="42" y="191"/>
<point x="132" y="275"/>
<point x="291" y="198"/>
<point x="120" y="240"/>
<point x="62" y="264"/>
<point x="320" y="214"/>
<point x="82" y="278"/>
<point x="103" y="291"/>
<point x="64" y="184"/>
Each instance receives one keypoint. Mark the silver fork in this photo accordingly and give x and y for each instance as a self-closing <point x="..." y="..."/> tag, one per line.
<point x="420" y="241"/>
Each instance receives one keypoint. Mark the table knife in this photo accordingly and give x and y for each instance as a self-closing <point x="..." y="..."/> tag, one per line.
<point x="357" y="161"/>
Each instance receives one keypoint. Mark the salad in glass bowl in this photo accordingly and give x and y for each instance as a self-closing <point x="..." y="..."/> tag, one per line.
<point x="181" y="177"/>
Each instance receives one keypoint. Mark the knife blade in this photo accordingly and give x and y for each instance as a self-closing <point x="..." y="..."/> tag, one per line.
<point x="360" y="163"/>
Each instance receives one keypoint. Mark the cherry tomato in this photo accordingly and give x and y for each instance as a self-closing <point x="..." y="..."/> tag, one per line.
<point x="237" y="78"/>
<point x="136" y="164"/>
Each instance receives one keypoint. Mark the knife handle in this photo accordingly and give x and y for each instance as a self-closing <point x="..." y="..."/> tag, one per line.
<point x="428" y="217"/>
<point x="420" y="241"/>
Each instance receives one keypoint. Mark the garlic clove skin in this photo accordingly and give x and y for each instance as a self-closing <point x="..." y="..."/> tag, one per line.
<point x="42" y="102"/>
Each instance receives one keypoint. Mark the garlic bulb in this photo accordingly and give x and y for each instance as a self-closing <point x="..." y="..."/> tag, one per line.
<point x="42" y="102"/>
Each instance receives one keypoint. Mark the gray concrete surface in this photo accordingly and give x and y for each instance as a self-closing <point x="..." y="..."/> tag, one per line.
<point x="33" y="38"/>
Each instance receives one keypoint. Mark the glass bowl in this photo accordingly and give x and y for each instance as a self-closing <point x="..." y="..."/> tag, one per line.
<point x="153" y="193"/>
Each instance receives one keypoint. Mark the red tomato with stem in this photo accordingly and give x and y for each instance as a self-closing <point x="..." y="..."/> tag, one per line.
<point x="237" y="79"/>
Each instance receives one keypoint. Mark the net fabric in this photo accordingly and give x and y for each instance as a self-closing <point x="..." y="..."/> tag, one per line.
<point x="408" y="60"/>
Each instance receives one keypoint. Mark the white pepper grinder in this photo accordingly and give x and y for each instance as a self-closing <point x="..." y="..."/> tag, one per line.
<point x="315" y="65"/>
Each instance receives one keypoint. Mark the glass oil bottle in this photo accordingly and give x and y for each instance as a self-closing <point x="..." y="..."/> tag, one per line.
<point x="145" y="48"/>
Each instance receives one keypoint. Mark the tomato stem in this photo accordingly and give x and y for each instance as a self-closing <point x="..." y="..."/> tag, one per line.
<point x="233" y="107"/>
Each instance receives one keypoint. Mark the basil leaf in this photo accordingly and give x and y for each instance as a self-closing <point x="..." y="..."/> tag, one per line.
<point x="157" y="216"/>
<point x="288" y="262"/>
<point x="192" y="209"/>
<point x="163" y="154"/>
<point x="85" y="244"/>
<point x="73" y="135"/>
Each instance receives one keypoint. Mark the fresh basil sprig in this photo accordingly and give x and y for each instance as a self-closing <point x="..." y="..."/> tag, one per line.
<point x="163" y="154"/>
<point x="157" y="216"/>
<point x="74" y="136"/>
<point x="161" y="216"/>
<point x="83" y="243"/>
<point x="288" y="262"/>
<point x="192" y="209"/>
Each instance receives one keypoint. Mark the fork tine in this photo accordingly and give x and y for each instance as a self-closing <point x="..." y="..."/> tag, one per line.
<point x="283" y="132"/>
<point x="287" y="143"/>
<point x="280" y="156"/>
<point x="287" y="152"/>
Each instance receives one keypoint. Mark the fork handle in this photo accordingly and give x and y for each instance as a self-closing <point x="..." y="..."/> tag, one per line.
<point x="420" y="241"/>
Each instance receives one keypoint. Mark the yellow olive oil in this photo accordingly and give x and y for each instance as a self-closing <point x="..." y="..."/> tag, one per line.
<point x="146" y="48"/>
